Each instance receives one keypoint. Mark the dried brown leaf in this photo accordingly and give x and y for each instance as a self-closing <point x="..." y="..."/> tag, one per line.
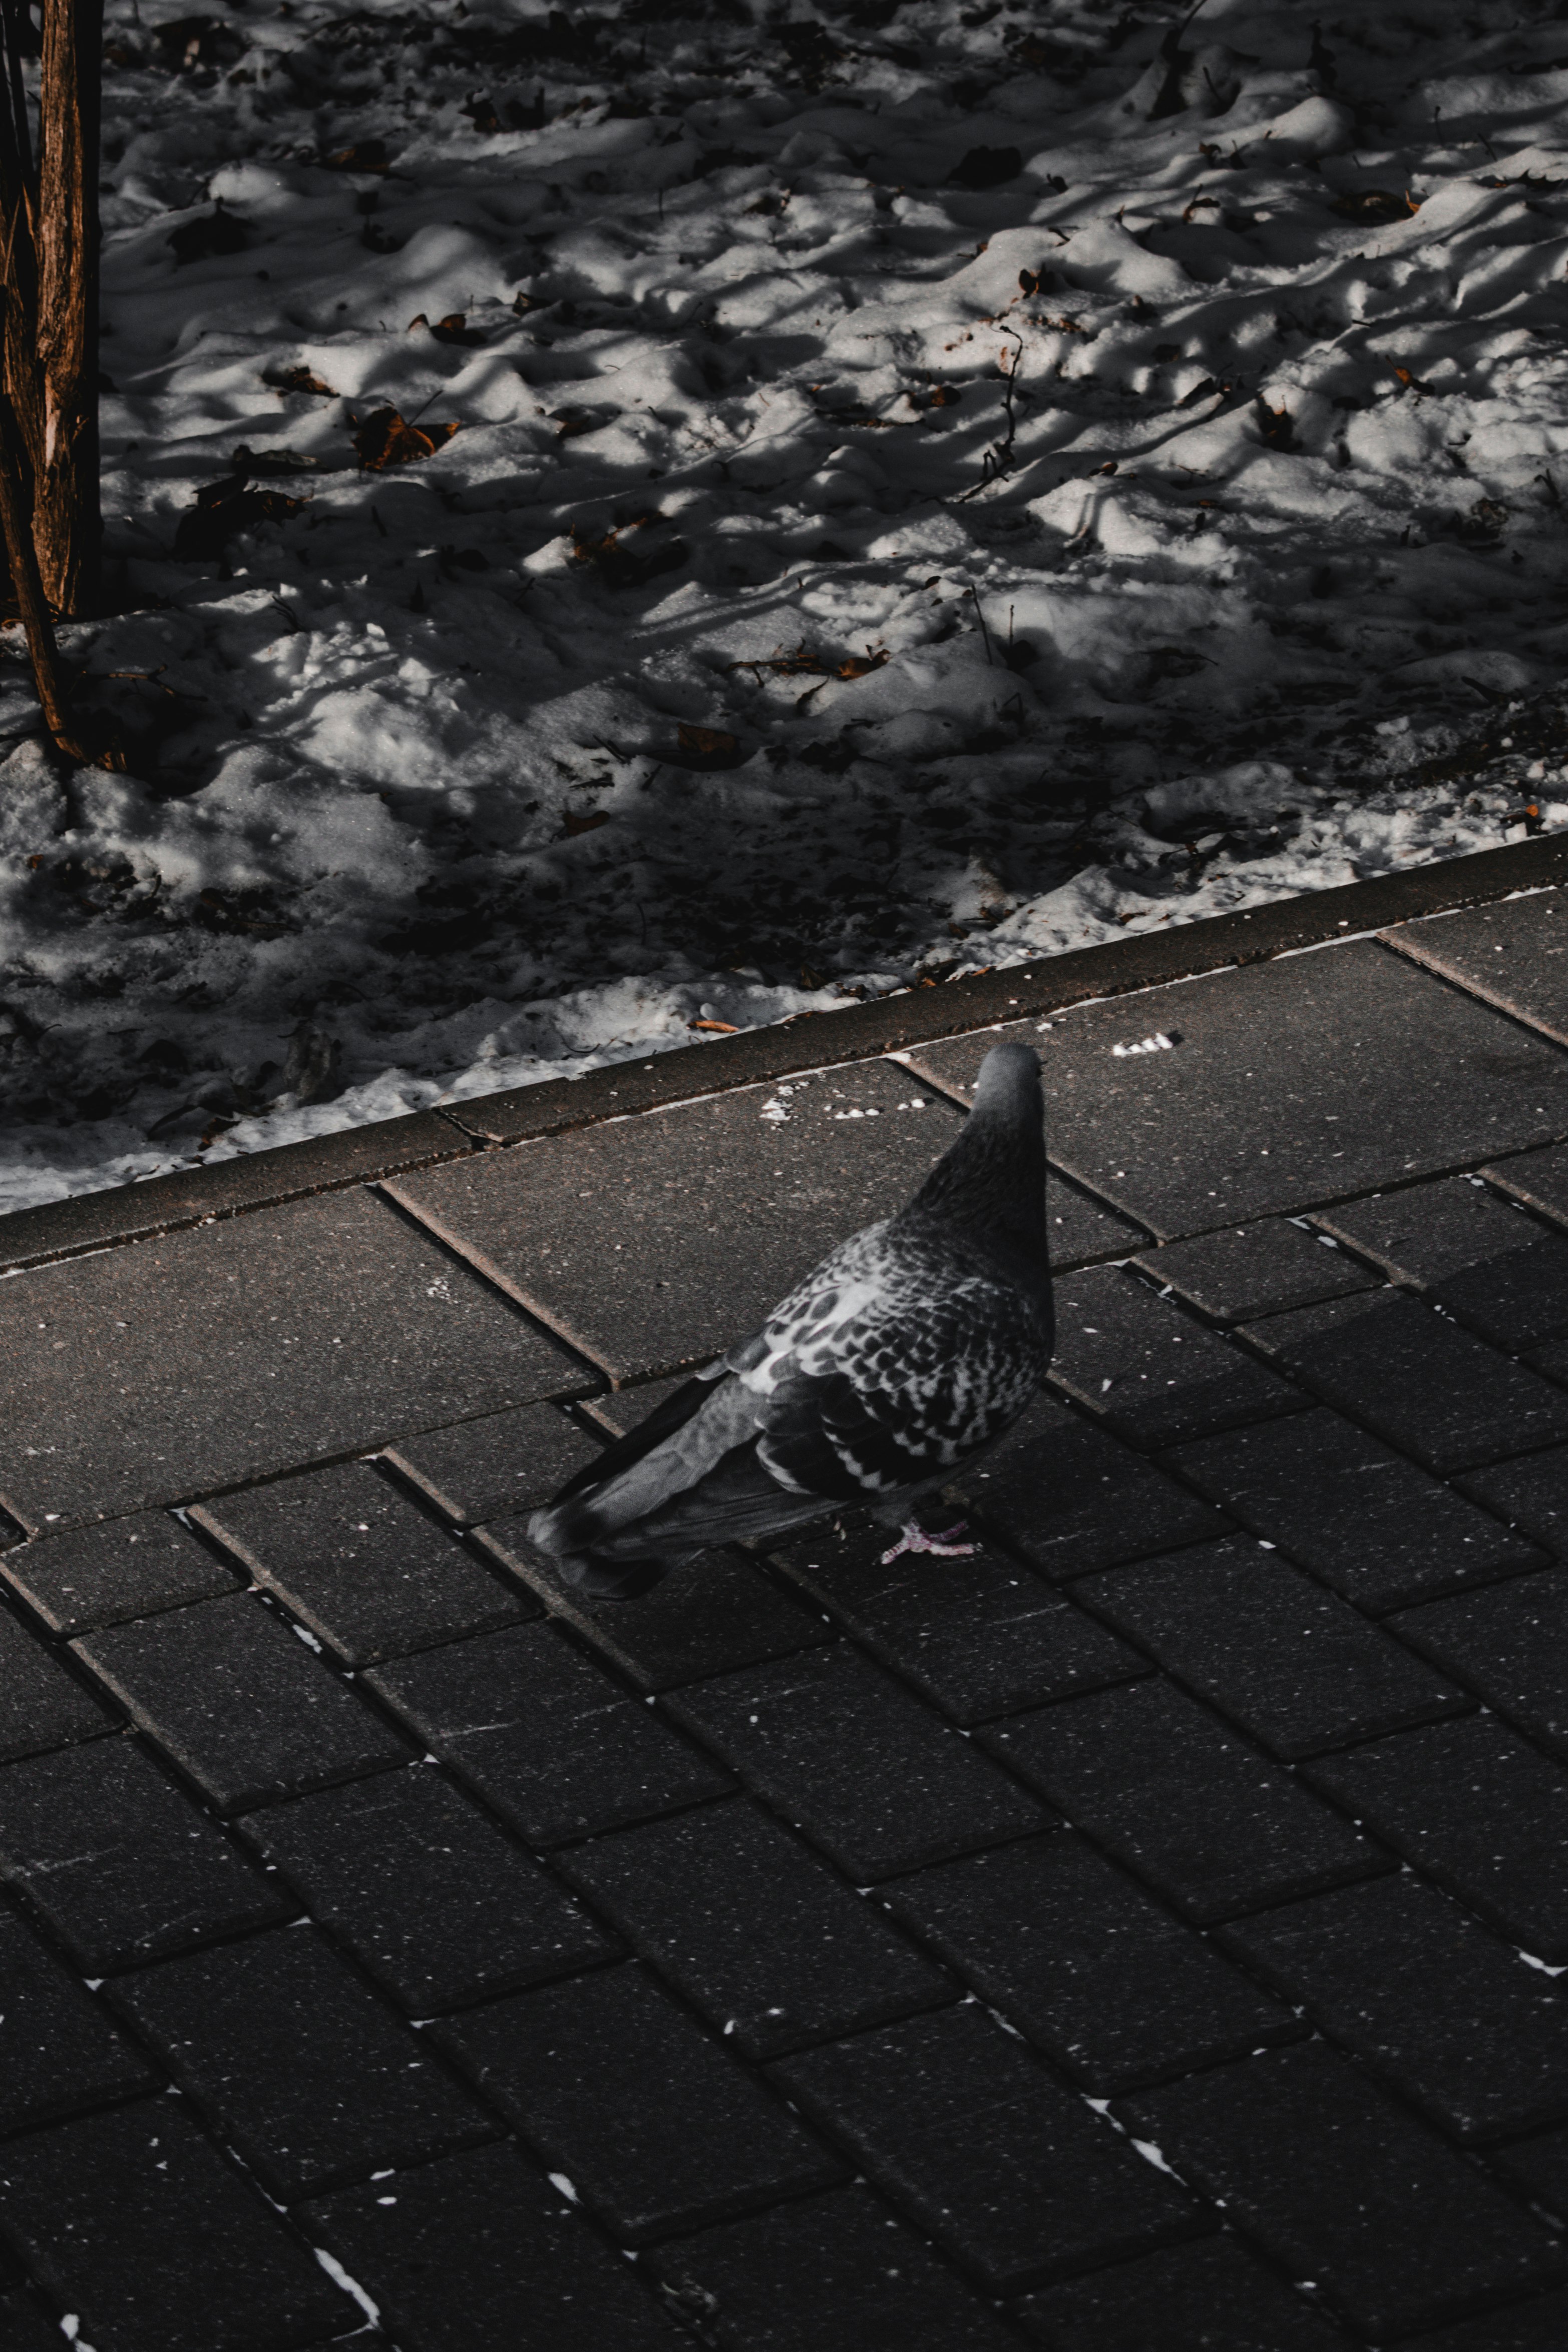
<point x="383" y="438"/>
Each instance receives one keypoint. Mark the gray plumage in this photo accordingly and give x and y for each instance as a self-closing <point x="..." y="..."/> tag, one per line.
<point x="911" y="1348"/>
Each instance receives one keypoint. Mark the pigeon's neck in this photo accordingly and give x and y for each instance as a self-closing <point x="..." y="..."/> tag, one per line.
<point x="992" y="1183"/>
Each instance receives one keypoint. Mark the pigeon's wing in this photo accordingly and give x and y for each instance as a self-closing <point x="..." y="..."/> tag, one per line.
<point x="904" y="1354"/>
<point x="662" y="1422"/>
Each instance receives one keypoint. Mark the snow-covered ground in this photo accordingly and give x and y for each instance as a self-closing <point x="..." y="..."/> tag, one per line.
<point x="932" y="485"/>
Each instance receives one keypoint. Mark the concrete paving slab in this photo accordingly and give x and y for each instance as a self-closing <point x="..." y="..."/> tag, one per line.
<point x="121" y="1569"/>
<point x="477" y="2252"/>
<point x="1478" y="1256"/>
<point x="1531" y="1495"/>
<point x="1539" y="1178"/>
<point x="1021" y="2182"/>
<point x="1514" y="954"/>
<point x="1339" y="2184"/>
<point x="1085" y="1964"/>
<point x="120" y="1864"/>
<point x="1293" y="1083"/>
<point x="58" y="2051"/>
<point x="1263" y="1642"/>
<point x="1261" y="1269"/>
<point x="202" y="1359"/>
<point x="355" y="1559"/>
<point x="762" y="1939"/>
<point x="1417" y="1378"/>
<point x="544" y="1735"/>
<point x="1399" y="1974"/>
<point x="419" y="1884"/>
<point x="1509" y="1644"/>
<point x="132" y="2221"/>
<point x="717" y="1612"/>
<point x="1476" y="1808"/>
<point x="42" y="1703"/>
<point x="1071" y="1497"/>
<point x="829" y="2273"/>
<point x="661" y="1241"/>
<point x="657" y="2126"/>
<point x="1151" y="1372"/>
<point x="227" y="1691"/>
<point x="847" y="1756"/>
<point x="494" y="1467"/>
<point x="1182" y="1800"/>
<point x="1381" y="1532"/>
<point x="977" y="1636"/>
<point x="1210" y="2292"/>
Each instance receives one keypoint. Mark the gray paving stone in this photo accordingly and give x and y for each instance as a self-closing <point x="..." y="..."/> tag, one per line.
<point x="238" y="1702"/>
<point x="1294" y="1082"/>
<point x="1539" y="1178"/>
<point x="296" y="2064"/>
<point x="43" y="1704"/>
<point x="1404" y="1980"/>
<point x="1260" y="1269"/>
<point x="657" y="2128"/>
<point x="659" y="1241"/>
<point x="1476" y="1808"/>
<point x="1340" y="2186"/>
<point x="844" y="1752"/>
<point x="426" y="1892"/>
<point x="1190" y="1807"/>
<point x="1539" y="2325"/>
<point x="758" y="1935"/>
<point x="359" y="1564"/>
<point x="1079" y="1229"/>
<point x="717" y="1612"/>
<point x="978" y="1635"/>
<point x="1416" y="1378"/>
<point x="1509" y="1644"/>
<point x="134" y="2222"/>
<point x="60" y="2050"/>
<point x="207" y="1358"/>
<point x="544" y="1735"/>
<point x="123" y="1569"/>
<point x="495" y="1468"/>
<point x="122" y="1865"/>
<point x="1210" y="2296"/>
<point x="24" y="2328"/>
<point x="1071" y="1497"/>
<point x="193" y="1196"/>
<point x="1478" y="1256"/>
<point x="1381" y="1532"/>
<point x="1513" y="954"/>
<point x="1078" y="1956"/>
<point x="1154" y="1374"/>
<point x="827" y="2273"/>
<point x="1263" y="1642"/>
<point x="1531" y="1495"/>
<point x="475" y="2253"/>
<point x="1538" y="2168"/>
<point x="961" y="2125"/>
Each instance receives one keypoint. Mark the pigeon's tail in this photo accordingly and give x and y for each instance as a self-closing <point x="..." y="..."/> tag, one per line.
<point x="687" y="1477"/>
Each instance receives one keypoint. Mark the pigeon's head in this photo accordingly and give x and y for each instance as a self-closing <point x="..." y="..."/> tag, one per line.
<point x="1009" y="1082"/>
<point x="992" y="1179"/>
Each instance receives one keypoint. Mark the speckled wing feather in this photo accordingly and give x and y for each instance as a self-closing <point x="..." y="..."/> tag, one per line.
<point x="901" y="1356"/>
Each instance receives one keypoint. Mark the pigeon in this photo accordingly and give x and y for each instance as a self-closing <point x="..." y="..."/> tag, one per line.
<point x="912" y="1349"/>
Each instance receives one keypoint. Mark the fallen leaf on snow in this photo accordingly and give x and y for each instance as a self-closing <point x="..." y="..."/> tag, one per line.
<point x="724" y="1028"/>
<point x="571" y="825"/>
<point x="383" y="439"/>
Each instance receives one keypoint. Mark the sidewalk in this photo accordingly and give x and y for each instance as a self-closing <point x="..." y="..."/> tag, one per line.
<point x="1145" y="1933"/>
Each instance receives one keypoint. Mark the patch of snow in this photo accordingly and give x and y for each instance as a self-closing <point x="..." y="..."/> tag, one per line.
<point x="1169" y="526"/>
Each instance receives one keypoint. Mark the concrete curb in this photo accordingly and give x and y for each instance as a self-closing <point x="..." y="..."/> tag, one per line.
<point x="131" y="1213"/>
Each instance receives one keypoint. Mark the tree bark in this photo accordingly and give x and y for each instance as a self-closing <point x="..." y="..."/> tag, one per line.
<point x="63" y="451"/>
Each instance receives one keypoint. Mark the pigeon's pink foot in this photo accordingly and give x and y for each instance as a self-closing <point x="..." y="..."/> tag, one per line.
<point x="915" y="1538"/>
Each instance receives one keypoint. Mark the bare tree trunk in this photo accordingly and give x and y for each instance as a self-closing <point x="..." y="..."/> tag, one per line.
<point x="67" y="524"/>
<point x="54" y="696"/>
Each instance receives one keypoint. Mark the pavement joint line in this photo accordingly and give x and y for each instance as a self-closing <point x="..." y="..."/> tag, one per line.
<point x="884" y="1028"/>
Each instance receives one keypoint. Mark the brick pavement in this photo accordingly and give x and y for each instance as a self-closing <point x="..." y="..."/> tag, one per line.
<point x="1143" y="1936"/>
